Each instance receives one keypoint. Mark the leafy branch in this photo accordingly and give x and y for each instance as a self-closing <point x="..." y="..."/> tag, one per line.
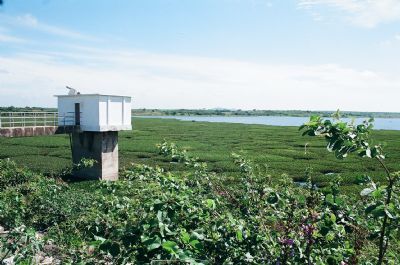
<point x="344" y="138"/>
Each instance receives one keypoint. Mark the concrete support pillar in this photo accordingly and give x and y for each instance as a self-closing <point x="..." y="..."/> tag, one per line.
<point x="100" y="146"/>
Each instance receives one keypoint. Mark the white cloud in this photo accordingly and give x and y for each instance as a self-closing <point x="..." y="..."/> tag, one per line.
<point x="8" y="38"/>
<point x="364" y="13"/>
<point x="392" y="42"/>
<point x="171" y="81"/>
<point x="27" y="20"/>
<point x="31" y="22"/>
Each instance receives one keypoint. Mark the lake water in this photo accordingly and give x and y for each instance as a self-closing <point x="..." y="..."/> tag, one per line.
<point x="379" y="124"/>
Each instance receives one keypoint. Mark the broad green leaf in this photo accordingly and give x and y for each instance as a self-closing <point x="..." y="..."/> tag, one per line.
<point x="197" y="235"/>
<point x="333" y="218"/>
<point x="210" y="204"/>
<point x="196" y="244"/>
<point x="379" y="211"/>
<point x="370" y="208"/>
<point x="330" y="236"/>
<point x="185" y="237"/>
<point x="99" y="238"/>
<point x="110" y="247"/>
<point x="368" y="153"/>
<point x="330" y="199"/>
<point x="170" y="246"/>
<point x="239" y="235"/>
<point x="366" y="191"/>
<point x="378" y="193"/>
<point x="152" y="243"/>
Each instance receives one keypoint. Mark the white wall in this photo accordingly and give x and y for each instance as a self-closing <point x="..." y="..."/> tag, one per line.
<point x="115" y="111"/>
<point x="98" y="112"/>
<point x="66" y="110"/>
<point x="103" y="119"/>
<point x="127" y="111"/>
<point x="89" y="115"/>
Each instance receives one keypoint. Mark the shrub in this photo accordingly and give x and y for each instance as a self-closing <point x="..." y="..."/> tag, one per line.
<point x="11" y="175"/>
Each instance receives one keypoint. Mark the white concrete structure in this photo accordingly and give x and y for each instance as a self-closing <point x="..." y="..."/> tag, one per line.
<point x="94" y="112"/>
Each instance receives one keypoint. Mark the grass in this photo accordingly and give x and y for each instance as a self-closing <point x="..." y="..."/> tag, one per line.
<point x="282" y="149"/>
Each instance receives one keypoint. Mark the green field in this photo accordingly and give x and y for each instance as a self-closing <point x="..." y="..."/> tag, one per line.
<point x="282" y="149"/>
<point x="226" y="213"/>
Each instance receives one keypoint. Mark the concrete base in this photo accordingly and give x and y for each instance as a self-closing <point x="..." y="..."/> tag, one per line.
<point x="100" y="146"/>
<point x="27" y="131"/>
<point x="37" y="131"/>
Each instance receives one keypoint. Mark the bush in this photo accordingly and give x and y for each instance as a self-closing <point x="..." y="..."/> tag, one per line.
<point x="11" y="175"/>
<point x="195" y="218"/>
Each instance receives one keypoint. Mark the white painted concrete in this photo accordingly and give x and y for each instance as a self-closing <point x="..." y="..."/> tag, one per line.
<point x="99" y="113"/>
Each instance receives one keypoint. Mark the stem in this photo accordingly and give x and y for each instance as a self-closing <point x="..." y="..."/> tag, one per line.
<point x="385" y="167"/>
<point x="387" y="241"/>
<point x="309" y="248"/>
<point x="5" y="256"/>
<point x="310" y="217"/>
<point x="382" y="244"/>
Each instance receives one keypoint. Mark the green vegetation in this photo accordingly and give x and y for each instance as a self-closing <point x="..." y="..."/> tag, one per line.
<point x="152" y="216"/>
<point x="282" y="149"/>
<point x="26" y="109"/>
<point x="255" y="112"/>
<point x="382" y="200"/>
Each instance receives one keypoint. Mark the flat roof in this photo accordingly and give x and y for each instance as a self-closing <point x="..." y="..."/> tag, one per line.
<point x="82" y="95"/>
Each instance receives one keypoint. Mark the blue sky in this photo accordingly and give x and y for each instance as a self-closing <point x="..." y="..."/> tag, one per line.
<point x="263" y="54"/>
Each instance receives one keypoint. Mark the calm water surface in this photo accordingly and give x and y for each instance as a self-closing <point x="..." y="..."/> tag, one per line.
<point x="379" y="124"/>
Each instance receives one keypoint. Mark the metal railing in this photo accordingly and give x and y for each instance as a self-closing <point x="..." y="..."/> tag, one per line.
<point x="35" y="119"/>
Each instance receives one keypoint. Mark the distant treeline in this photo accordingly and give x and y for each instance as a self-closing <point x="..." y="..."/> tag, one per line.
<point x="255" y="112"/>
<point x="226" y="112"/>
<point x="25" y="109"/>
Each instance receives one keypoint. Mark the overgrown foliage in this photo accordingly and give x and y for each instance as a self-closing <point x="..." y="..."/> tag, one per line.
<point x="193" y="217"/>
<point x="382" y="200"/>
